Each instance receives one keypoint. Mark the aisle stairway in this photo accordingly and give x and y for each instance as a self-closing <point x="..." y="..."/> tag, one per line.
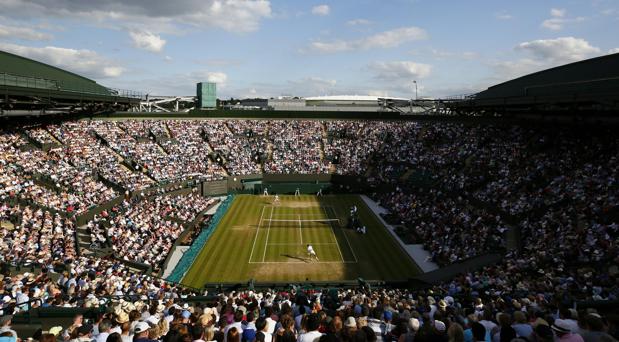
<point x="84" y="244"/>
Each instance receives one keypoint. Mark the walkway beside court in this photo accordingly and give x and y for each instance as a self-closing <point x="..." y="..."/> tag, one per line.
<point x="177" y="253"/>
<point x="420" y="256"/>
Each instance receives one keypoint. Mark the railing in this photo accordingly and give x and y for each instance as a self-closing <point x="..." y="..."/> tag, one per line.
<point x="66" y="86"/>
<point x="460" y="97"/>
<point x="127" y="93"/>
<point x="28" y="82"/>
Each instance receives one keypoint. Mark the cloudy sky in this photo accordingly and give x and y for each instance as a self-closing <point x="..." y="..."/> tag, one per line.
<point x="305" y="47"/>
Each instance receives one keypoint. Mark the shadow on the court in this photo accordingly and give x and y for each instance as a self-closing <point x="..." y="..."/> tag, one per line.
<point x="294" y="257"/>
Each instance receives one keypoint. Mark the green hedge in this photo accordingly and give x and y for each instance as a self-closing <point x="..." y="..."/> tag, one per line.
<point x="192" y="253"/>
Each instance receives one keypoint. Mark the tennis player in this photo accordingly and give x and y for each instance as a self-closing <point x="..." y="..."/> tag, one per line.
<point x="311" y="253"/>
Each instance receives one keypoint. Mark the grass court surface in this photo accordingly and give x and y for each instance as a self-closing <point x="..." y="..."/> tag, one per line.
<point x="267" y="241"/>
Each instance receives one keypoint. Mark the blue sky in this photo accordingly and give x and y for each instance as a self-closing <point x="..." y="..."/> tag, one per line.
<point x="297" y="47"/>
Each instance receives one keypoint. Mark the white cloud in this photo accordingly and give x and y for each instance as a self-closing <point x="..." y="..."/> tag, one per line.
<point x="155" y="16"/>
<point x="25" y="33"/>
<point x="217" y="77"/>
<point x="321" y="10"/>
<point x="558" y="12"/>
<point x="358" y="22"/>
<point x="506" y="70"/>
<point x="399" y="70"/>
<point x="112" y="71"/>
<point x="559" y="50"/>
<point x="386" y="39"/>
<point x="543" y="54"/>
<point x="615" y="50"/>
<point x="231" y="15"/>
<point x="554" y="24"/>
<point x="82" y="62"/>
<point x="147" y="41"/>
<point x="558" y="20"/>
<point x="167" y="59"/>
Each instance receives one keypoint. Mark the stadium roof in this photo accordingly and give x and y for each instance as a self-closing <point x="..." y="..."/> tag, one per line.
<point x="29" y="87"/>
<point x="586" y="76"/>
<point x="31" y="73"/>
<point x="588" y="86"/>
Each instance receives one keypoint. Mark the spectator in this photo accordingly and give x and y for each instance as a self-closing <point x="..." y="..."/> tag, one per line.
<point x="5" y="325"/>
<point x="312" y="325"/>
<point x="455" y="333"/>
<point x="104" y="330"/>
<point x="563" y="333"/>
<point x="84" y="334"/>
<point x="233" y="335"/>
<point x="141" y="331"/>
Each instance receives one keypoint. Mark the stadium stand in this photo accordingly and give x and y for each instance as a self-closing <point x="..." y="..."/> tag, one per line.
<point x="90" y="209"/>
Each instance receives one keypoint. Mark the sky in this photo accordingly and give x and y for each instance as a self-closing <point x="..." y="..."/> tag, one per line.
<point x="266" y="48"/>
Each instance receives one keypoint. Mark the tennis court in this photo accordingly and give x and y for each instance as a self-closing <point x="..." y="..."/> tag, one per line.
<point x="266" y="241"/>
<point x="283" y="233"/>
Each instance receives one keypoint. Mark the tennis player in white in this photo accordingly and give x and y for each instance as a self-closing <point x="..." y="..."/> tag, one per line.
<point x="311" y="253"/>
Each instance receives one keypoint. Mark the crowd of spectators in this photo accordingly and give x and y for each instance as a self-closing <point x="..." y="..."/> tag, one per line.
<point x="296" y="147"/>
<point x="185" y="207"/>
<point x="191" y="148"/>
<point x="354" y="142"/>
<point x="30" y="235"/>
<point x="144" y="230"/>
<point x="449" y="227"/>
<point x="40" y="135"/>
<point x="146" y="155"/>
<point x="557" y="188"/>
<point x="81" y="148"/>
<point x="47" y="180"/>
<point x="236" y="149"/>
<point x="146" y="310"/>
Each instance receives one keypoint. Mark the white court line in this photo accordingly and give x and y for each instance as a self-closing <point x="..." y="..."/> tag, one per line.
<point x="266" y="242"/>
<point x="303" y="262"/>
<point x="334" y="237"/>
<point x="300" y="244"/>
<point x="256" y="236"/>
<point x="347" y="241"/>
<point x="300" y="231"/>
<point x="345" y="236"/>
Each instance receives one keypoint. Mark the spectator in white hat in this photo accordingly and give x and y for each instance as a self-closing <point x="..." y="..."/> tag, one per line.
<point x="563" y="333"/>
